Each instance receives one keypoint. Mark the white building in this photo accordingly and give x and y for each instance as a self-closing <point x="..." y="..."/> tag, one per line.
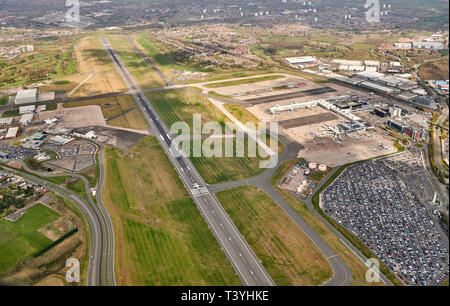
<point x="356" y="68"/>
<point x="26" y="96"/>
<point x="27" y="109"/>
<point x="395" y="64"/>
<point x="301" y="61"/>
<point x="401" y="45"/>
<point x="428" y="45"/>
<point x="371" y="69"/>
<point x="12" y="133"/>
<point x="61" y="140"/>
<point x="6" y="121"/>
<point x="370" y="75"/>
<point x="26" y="119"/>
<point x="372" y="63"/>
<point x="348" y="63"/>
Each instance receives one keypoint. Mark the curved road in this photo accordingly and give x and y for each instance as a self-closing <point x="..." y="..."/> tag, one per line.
<point x="91" y="216"/>
<point x="342" y="275"/>
<point x="101" y="258"/>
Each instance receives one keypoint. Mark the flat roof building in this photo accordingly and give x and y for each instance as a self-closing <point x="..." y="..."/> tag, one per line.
<point x="348" y="63"/>
<point x="26" y="119"/>
<point x="370" y="75"/>
<point x="428" y="45"/>
<point x="27" y="109"/>
<point x="26" y="96"/>
<point x="12" y="133"/>
<point x="376" y="87"/>
<point x="403" y="45"/>
<point x="6" y="121"/>
<point x="301" y="61"/>
<point x="372" y="63"/>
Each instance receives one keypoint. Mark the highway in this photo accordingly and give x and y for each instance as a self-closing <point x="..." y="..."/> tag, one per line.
<point x="241" y="256"/>
<point x="104" y="234"/>
<point x="95" y="276"/>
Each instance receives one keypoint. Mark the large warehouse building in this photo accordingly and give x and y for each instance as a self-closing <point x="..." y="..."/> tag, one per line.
<point x="302" y="61"/>
<point x="26" y="96"/>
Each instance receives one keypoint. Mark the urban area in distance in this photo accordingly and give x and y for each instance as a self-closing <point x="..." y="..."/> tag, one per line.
<point x="224" y="144"/>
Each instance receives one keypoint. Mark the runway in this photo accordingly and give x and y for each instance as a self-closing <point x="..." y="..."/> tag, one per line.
<point x="241" y="256"/>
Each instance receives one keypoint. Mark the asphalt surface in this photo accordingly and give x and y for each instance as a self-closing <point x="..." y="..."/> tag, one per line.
<point x="291" y="95"/>
<point x="149" y="62"/>
<point x="241" y="256"/>
<point x="106" y="247"/>
<point x="342" y="275"/>
<point x="94" y="275"/>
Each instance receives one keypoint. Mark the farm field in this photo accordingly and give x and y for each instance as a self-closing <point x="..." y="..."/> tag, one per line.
<point x="114" y="106"/>
<point x="21" y="239"/>
<point x="357" y="267"/>
<point x="92" y="57"/>
<point x="178" y="106"/>
<point x="95" y="69"/>
<point x="99" y="84"/>
<point x="288" y="255"/>
<point x="161" y="238"/>
<point x="144" y="75"/>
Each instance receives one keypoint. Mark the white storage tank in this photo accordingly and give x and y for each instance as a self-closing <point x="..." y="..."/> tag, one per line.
<point x="322" y="168"/>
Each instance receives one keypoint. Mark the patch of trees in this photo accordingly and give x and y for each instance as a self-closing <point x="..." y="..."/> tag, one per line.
<point x="8" y="201"/>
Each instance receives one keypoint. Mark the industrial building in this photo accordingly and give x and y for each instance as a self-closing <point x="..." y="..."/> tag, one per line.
<point x="26" y="119"/>
<point x="61" y="140"/>
<point x="376" y="87"/>
<point x="348" y="63"/>
<point x="370" y="75"/>
<point x="372" y="63"/>
<point x="27" y="109"/>
<point x="403" y="45"/>
<point x="428" y="45"/>
<point x="12" y="133"/>
<point x="6" y="121"/>
<point x="303" y="61"/>
<point x="26" y="96"/>
<point x="352" y="68"/>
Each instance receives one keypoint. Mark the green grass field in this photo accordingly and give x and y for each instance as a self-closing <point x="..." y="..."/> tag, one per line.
<point x="288" y="255"/>
<point x="244" y="81"/>
<point x="21" y="239"/>
<point x="4" y="100"/>
<point x="54" y="60"/>
<point x="161" y="237"/>
<point x="11" y="113"/>
<point x="158" y="58"/>
<point x="178" y="106"/>
<point x="144" y="75"/>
